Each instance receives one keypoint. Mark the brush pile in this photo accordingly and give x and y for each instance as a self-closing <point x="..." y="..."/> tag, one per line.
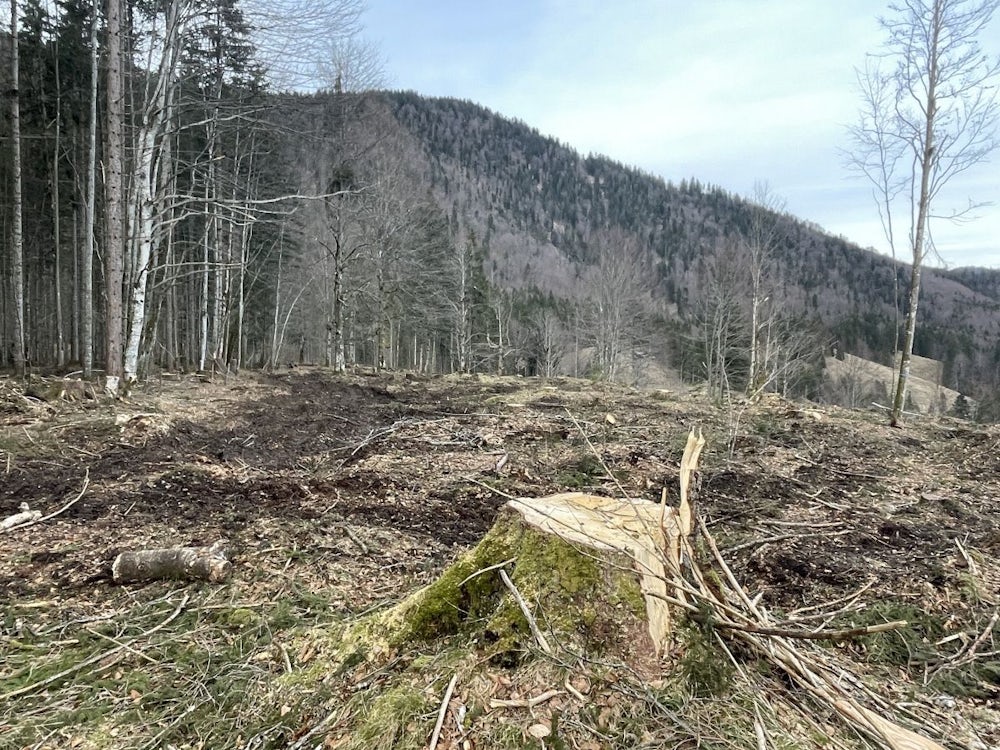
<point x="681" y="569"/>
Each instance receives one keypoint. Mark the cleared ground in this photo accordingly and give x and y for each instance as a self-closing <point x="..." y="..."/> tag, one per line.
<point x="339" y="495"/>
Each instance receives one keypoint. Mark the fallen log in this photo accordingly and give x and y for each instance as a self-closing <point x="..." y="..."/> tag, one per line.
<point x="24" y="515"/>
<point x="183" y="563"/>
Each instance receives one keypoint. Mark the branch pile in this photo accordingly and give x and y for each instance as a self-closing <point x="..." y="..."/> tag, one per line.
<point x="682" y="569"/>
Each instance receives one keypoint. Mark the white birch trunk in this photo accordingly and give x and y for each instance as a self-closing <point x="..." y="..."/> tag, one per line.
<point x="142" y="230"/>
<point x="143" y="193"/>
<point x="17" y="243"/>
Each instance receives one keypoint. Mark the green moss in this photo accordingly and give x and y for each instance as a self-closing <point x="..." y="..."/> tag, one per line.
<point x="238" y="618"/>
<point x="706" y="669"/>
<point x="391" y="721"/>
<point x="573" y="594"/>
<point x="581" y="472"/>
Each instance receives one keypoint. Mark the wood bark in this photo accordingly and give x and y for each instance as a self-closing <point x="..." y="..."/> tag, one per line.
<point x="17" y="234"/>
<point x="114" y="255"/>
<point x="143" y="198"/>
<point x="923" y="213"/>
<point x="183" y="563"/>
<point x="56" y="220"/>
<point x="87" y="257"/>
<point x="24" y="515"/>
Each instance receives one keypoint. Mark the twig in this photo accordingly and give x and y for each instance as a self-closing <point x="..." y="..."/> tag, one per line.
<point x="846" y="600"/>
<point x="526" y="702"/>
<point x="542" y="643"/>
<point x="93" y="659"/>
<point x="574" y="692"/>
<point x="301" y="742"/>
<point x="485" y="570"/>
<point x="842" y="472"/>
<point x="124" y="645"/>
<point x="67" y="506"/>
<point x="968" y="653"/>
<point x="490" y="488"/>
<point x="973" y="568"/>
<point x="784" y="537"/>
<point x="442" y="713"/>
<point x="812" y="635"/>
<point x="354" y="538"/>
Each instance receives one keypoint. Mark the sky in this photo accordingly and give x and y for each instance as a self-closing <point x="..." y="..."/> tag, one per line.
<point x="731" y="92"/>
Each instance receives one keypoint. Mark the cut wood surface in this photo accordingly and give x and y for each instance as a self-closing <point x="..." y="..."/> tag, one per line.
<point x="184" y="563"/>
<point x="629" y="526"/>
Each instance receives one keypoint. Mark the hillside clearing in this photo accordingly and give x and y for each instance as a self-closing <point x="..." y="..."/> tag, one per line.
<point x="340" y="495"/>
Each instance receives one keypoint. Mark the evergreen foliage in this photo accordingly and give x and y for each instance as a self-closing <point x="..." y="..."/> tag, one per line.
<point x="388" y="229"/>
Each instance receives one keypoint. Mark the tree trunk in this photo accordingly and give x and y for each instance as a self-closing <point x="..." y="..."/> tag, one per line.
<point x="339" y="362"/>
<point x="56" y="238"/>
<point x="145" y="186"/>
<point x="927" y="158"/>
<point x="115" y="251"/>
<point x="87" y="259"/>
<point x="17" y="234"/>
<point x="183" y="563"/>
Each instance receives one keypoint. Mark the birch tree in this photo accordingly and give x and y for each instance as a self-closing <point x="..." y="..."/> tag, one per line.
<point x="144" y="201"/>
<point x="761" y="243"/>
<point x="929" y="112"/>
<point x="617" y="296"/>
<point x="90" y="212"/>
<point x="17" y="235"/>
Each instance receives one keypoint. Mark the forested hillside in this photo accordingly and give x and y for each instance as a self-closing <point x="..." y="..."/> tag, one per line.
<point x="539" y="205"/>
<point x="202" y="219"/>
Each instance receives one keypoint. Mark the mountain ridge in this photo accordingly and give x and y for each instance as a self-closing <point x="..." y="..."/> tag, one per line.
<point x="538" y="204"/>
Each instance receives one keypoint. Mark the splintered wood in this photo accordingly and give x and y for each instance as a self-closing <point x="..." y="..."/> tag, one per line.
<point x="659" y="541"/>
<point x="632" y="527"/>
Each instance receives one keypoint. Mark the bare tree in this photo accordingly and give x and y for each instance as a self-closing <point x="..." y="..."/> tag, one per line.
<point x="305" y="44"/>
<point x="549" y="332"/>
<point x="618" y="293"/>
<point x="721" y="321"/>
<point x="760" y="242"/>
<point x="143" y="199"/>
<point x="929" y="113"/>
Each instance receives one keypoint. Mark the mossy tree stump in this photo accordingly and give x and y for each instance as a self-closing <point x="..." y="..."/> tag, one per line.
<point x="586" y="567"/>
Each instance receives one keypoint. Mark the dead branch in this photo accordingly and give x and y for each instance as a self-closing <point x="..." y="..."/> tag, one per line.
<point x="349" y="532"/>
<point x="486" y="570"/>
<point x="40" y="518"/>
<point x="100" y="656"/>
<point x="25" y="516"/>
<point x="785" y="537"/>
<point x="526" y="702"/>
<point x="442" y="713"/>
<point x="542" y="643"/>
<point x="809" y="635"/>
